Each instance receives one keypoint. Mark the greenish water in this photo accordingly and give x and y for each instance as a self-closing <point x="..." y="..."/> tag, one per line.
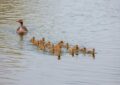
<point x="87" y="23"/>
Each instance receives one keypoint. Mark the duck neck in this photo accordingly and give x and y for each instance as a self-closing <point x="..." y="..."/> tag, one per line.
<point x="21" y="23"/>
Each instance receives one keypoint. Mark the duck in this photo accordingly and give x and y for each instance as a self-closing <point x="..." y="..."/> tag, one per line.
<point x="22" y="30"/>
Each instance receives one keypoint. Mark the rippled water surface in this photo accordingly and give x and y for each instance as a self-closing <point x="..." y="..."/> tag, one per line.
<point x="89" y="23"/>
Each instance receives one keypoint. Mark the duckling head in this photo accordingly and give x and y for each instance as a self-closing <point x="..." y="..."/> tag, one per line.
<point x="43" y="39"/>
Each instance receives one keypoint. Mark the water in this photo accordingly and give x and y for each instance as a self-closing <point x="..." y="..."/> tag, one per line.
<point x="90" y="23"/>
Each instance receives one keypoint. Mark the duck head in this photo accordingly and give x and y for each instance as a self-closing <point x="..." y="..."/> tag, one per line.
<point x="20" y="21"/>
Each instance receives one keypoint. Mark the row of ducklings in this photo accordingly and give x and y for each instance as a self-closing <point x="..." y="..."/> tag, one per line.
<point x="56" y="49"/>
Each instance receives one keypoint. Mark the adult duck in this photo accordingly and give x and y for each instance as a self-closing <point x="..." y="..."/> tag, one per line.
<point x="22" y="30"/>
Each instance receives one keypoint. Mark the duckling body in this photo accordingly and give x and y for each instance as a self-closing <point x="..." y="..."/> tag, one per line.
<point x="22" y="30"/>
<point x="83" y="50"/>
<point x="57" y="50"/>
<point x="42" y="47"/>
<point x="42" y="44"/>
<point x="61" y="43"/>
<point x="51" y="50"/>
<point x="91" y="51"/>
<point x="48" y="45"/>
<point x="71" y="51"/>
<point x="76" y="48"/>
<point x="32" y="40"/>
<point x="66" y="46"/>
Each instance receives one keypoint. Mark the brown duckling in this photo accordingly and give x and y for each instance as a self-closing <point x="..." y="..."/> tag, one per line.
<point x="83" y="50"/>
<point x="48" y="45"/>
<point x="42" y="41"/>
<point x="71" y="50"/>
<point x="57" y="50"/>
<point x="90" y="51"/>
<point x="76" y="48"/>
<point x="51" y="50"/>
<point x="32" y="40"/>
<point x="66" y="46"/>
<point x="61" y="43"/>
<point x="42" y="46"/>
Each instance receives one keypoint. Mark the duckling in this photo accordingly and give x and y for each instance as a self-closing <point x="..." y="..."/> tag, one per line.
<point x="71" y="51"/>
<point x="42" y="46"/>
<point x="22" y="30"/>
<point x="36" y="42"/>
<point x="59" y="57"/>
<point x="76" y="49"/>
<point x="42" y="41"/>
<point x="48" y="45"/>
<point x="83" y="50"/>
<point x="91" y="51"/>
<point x="51" y="50"/>
<point x="66" y="46"/>
<point x="61" y="43"/>
<point x="57" y="50"/>
<point x="32" y="40"/>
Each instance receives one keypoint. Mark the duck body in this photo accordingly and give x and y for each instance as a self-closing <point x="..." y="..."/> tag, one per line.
<point x="22" y="30"/>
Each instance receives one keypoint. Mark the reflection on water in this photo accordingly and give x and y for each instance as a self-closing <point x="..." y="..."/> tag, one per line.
<point x="92" y="24"/>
